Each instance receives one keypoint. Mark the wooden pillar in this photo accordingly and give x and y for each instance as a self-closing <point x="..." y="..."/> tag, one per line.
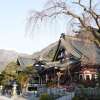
<point x="59" y="75"/>
<point x="46" y="78"/>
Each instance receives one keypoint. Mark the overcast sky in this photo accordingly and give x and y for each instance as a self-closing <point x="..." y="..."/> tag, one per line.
<point x="13" y="15"/>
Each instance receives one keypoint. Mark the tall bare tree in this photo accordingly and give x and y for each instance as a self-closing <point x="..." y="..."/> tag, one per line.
<point x="84" y="13"/>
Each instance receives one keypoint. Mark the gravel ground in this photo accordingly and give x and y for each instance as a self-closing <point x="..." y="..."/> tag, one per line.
<point x="4" y="98"/>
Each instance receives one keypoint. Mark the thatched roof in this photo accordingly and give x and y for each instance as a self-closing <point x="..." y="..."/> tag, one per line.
<point x="83" y="49"/>
<point x="92" y="34"/>
<point x="25" y="62"/>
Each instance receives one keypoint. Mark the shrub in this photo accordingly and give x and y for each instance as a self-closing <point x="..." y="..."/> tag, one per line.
<point x="79" y="98"/>
<point x="45" y="96"/>
<point x="76" y="98"/>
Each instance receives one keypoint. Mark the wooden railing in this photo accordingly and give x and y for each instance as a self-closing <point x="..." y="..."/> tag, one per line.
<point x="89" y="92"/>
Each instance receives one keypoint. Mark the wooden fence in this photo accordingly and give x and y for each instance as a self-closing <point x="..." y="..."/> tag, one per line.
<point x="89" y="92"/>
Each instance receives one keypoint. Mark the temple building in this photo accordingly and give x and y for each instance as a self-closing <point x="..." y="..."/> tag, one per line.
<point x="76" y="59"/>
<point x="72" y="59"/>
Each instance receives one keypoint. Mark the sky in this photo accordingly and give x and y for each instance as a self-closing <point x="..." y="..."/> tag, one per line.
<point x="13" y="18"/>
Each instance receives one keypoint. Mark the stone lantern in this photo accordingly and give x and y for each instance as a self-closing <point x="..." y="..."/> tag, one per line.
<point x="1" y="88"/>
<point x="14" y="90"/>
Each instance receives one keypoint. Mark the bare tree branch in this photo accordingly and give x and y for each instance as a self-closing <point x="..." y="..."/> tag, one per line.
<point x="91" y="12"/>
<point x="90" y="4"/>
<point x="75" y="16"/>
<point x="60" y="7"/>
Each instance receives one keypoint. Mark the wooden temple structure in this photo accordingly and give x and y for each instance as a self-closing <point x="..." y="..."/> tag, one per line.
<point x="75" y="59"/>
